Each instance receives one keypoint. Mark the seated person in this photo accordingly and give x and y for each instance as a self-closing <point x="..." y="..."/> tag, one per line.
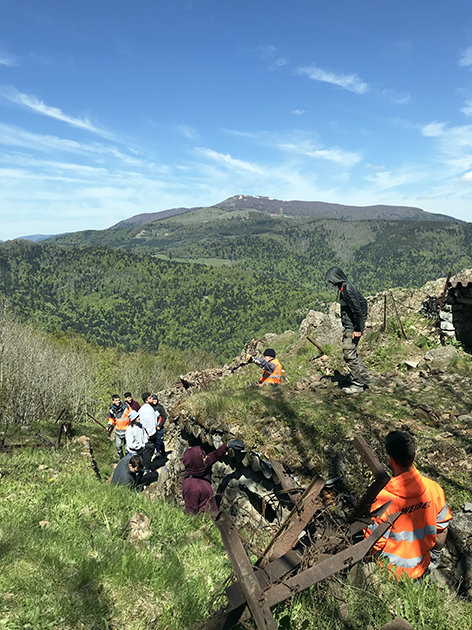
<point x="421" y="529"/>
<point x="196" y="488"/>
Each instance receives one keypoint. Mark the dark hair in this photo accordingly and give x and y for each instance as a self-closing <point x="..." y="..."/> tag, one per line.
<point x="116" y="396"/>
<point x="136" y="462"/>
<point x="154" y="397"/>
<point x="145" y="396"/>
<point x="127" y="394"/>
<point x="401" y="447"/>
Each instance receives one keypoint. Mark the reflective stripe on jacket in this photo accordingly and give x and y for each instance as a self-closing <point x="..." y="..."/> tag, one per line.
<point x="424" y="513"/>
<point x="272" y="377"/>
<point x="119" y="417"/>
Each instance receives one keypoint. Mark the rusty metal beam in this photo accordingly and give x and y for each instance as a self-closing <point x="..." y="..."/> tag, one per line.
<point x="381" y="478"/>
<point x="295" y="523"/>
<point x="244" y="571"/>
<point x="368" y="456"/>
<point x="368" y="520"/>
<point x="285" y="481"/>
<point x="266" y="576"/>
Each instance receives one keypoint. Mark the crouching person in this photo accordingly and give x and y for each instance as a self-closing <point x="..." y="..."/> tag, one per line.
<point x="196" y="488"/>
<point x="130" y="472"/>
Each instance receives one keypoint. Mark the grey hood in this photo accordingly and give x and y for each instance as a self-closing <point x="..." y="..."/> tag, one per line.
<point x="336" y="275"/>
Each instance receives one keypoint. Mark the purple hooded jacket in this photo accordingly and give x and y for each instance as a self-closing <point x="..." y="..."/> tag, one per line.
<point x="196" y="488"/>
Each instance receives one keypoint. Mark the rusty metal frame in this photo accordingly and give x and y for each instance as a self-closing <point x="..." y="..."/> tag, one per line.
<point x="295" y="523"/>
<point x="244" y="571"/>
<point x="380" y="475"/>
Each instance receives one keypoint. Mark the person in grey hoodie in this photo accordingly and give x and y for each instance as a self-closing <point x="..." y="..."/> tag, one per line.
<point x="353" y="316"/>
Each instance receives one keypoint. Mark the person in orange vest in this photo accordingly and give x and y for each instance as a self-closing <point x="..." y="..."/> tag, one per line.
<point x="419" y="533"/>
<point x="272" y="369"/>
<point x="118" y="419"/>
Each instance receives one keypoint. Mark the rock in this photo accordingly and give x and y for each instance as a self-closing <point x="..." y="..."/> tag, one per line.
<point x="42" y="467"/>
<point x="468" y="506"/>
<point x="459" y="543"/>
<point x="139" y="528"/>
<point x="44" y="524"/>
<point x="411" y="365"/>
<point x="397" y="624"/>
<point x="310" y="323"/>
<point x="444" y="354"/>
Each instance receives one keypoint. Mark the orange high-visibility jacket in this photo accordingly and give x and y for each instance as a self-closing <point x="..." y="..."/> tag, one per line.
<point x="272" y="377"/>
<point x="424" y="514"/>
<point x="119" y="419"/>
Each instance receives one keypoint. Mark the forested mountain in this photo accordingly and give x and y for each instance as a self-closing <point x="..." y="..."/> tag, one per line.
<point x="377" y="254"/>
<point x="119" y="298"/>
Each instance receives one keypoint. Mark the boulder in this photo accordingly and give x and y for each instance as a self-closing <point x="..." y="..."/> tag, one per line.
<point x="443" y="354"/>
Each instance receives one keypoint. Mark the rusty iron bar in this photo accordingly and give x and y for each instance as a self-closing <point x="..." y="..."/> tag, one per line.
<point x="285" y="481"/>
<point x="65" y="410"/>
<point x="244" y="571"/>
<point x="368" y="456"/>
<point x="398" y="316"/>
<point x="270" y="573"/>
<point x="442" y="298"/>
<point x="369" y="519"/>
<point x="381" y="478"/>
<point x="97" y="421"/>
<point x="295" y="523"/>
<point x="315" y="344"/>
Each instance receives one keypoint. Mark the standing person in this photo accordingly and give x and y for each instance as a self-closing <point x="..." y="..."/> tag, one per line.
<point x="196" y="488"/>
<point x="136" y="437"/>
<point x="271" y="366"/>
<point x="420" y="531"/>
<point x="353" y="316"/>
<point x="118" y="418"/>
<point x="149" y="420"/>
<point x="159" y="409"/>
<point x="133" y="404"/>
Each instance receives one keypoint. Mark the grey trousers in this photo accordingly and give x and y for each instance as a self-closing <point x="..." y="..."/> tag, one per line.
<point x="358" y="371"/>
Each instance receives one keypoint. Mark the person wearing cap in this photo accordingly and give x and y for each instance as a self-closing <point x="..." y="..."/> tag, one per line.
<point x="353" y="316"/>
<point x="196" y="487"/>
<point x="419" y="533"/>
<point x="271" y="366"/>
<point x="133" y="404"/>
<point x="135" y="435"/>
<point x="118" y="419"/>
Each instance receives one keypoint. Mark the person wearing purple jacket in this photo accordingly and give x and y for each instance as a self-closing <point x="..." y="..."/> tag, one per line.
<point x="196" y="488"/>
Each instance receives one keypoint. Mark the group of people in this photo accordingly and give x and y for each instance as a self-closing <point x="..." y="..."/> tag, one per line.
<point x="139" y="438"/>
<point x="418" y="534"/>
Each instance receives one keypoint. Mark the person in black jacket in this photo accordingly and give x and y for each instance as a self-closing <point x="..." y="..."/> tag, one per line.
<point x="353" y="316"/>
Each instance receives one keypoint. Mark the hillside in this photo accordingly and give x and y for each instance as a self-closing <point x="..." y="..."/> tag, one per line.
<point x="130" y="300"/>
<point x="378" y="247"/>
<point x="80" y="555"/>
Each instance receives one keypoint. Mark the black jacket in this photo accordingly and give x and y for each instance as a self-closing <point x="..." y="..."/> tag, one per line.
<point x="353" y="303"/>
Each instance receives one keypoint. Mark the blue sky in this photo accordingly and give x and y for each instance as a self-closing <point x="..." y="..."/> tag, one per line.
<point x="110" y="108"/>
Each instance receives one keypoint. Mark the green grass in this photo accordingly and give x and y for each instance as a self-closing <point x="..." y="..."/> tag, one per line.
<point x="81" y="571"/>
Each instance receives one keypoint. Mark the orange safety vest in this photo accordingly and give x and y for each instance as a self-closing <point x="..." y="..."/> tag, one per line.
<point x="121" y="423"/>
<point x="272" y="377"/>
<point x="424" y="514"/>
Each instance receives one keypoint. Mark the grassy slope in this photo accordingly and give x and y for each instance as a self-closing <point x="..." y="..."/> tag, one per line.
<point x="82" y="573"/>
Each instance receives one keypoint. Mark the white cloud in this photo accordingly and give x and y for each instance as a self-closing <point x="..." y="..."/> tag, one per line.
<point x="226" y="160"/>
<point x="466" y="57"/>
<point x="467" y="109"/>
<point x="433" y="129"/>
<point x="6" y="60"/>
<point x="298" y="112"/>
<point x="349" y="82"/>
<point x="33" y="104"/>
<point x="467" y="177"/>
<point x="309" y="149"/>
<point x="397" y="97"/>
<point x="187" y="132"/>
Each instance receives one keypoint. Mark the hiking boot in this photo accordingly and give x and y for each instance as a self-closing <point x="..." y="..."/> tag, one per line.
<point x="353" y="389"/>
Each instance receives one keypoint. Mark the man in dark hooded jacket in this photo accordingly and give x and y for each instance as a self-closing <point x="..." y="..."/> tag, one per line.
<point x="353" y="316"/>
<point x="196" y="488"/>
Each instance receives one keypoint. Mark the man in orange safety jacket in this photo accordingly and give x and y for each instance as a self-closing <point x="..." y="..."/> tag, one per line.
<point x="118" y="418"/>
<point x="272" y="369"/>
<point x="421" y="529"/>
